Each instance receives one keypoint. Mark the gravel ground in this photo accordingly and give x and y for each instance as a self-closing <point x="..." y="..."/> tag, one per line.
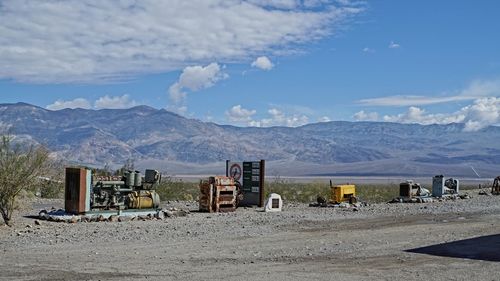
<point x="373" y="243"/>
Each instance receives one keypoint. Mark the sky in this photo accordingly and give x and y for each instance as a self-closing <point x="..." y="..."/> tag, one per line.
<point x="258" y="63"/>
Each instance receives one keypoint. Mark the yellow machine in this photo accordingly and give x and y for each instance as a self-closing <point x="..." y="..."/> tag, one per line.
<point x="343" y="193"/>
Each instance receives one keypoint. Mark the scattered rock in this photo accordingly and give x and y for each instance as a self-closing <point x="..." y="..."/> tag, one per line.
<point x="113" y="218"/>
<point x="125" y="218"/>
<point x="160" y="215"/>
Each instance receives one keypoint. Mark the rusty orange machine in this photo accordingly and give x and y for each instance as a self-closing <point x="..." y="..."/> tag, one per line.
<point x="85" y="193"/>
<point x="219" y="194"/>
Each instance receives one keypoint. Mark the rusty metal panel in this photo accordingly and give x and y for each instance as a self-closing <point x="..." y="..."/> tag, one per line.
<point x="405" y="189"/>
<point x="225" y="198"/>
<point x="206" y="195"/>
<point x="75" y="197"/>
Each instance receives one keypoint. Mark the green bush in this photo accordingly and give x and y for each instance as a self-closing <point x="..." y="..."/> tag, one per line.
<point x="172" y="189"/>
<point x="52" y="190"/>
<point x="290" y="191"/>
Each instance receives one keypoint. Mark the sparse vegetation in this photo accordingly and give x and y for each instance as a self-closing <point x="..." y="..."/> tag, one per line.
<point x="20" y="170"/>
<point x="172" y="189"/>
<point x="175" y="189"/>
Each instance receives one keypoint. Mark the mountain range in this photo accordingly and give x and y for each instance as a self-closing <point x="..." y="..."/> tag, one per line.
<point x="157" y="138"/>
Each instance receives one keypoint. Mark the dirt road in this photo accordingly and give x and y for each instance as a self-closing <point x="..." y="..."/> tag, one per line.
<point x="456" y="240"/>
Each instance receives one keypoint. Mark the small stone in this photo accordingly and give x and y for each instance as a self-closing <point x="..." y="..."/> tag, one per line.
<point x="142" y="217"/>
<point x="37" y="222"/>
<point x="160" y="215"/>
<point x="124" y="218"/>
<point x="113" y="218"/>
<point x="182" y="213"/>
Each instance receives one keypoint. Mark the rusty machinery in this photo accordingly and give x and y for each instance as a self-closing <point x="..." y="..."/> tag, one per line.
<point x="495" y="188"/>
<point x="442" y="187"/>
<point x="85" y="192"/>
<point x="410" y="189"/>
<point x="219" y="194"/>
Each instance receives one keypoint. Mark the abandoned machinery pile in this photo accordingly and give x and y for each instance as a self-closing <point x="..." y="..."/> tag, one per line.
<point x="133" y="196"/>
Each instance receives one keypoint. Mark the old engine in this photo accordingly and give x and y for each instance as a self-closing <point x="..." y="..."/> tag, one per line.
<point x="85" y="192"/>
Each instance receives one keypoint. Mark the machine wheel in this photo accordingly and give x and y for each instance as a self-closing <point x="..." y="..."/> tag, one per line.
<point x="353" y="200"/>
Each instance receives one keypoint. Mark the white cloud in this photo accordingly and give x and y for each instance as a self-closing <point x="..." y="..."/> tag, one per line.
<point x="112" y="102"/>
<point x="89" y="41"/>
<point x="481" y="113"/>
<point x="420" y="116"/>
<point x="181" y="110"/>
<point x="263" y="63"/>
<point x="393" y="45"/>
<point x="116" y="102"/>
<point x="240" y="114"/>
<point x="476" y="89"/>
<point x="280" y="118"/>
<point x="76" y="103"/>
<point x="368" y="50"/>
<point x="324" y="119"/>
<point x="195" y="78"/>
<point x="365" y="116"/>
<point x="280" y="4"/>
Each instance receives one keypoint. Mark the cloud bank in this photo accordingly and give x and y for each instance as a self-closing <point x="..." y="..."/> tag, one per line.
<point x="275" y="117"/>
<point x="110" y="102"/>
<point x="87" y="41"/>
<point x="481" y="113"/>
<point x="476" y="89"/>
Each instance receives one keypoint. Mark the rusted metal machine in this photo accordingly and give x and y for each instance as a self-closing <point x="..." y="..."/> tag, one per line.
<point x="219" y="194"/>
<point x="495" y="188"/>
<point x="409" y="189"/>
<point x="442" y="187"/>
<point x="86" y="193"/>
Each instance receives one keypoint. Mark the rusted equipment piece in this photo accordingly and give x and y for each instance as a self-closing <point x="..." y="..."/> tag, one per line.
<point x="77" y="188"/>
<point x="86" y="193"/>
<point x="442" y="187"/>
<point x="206" y="196"/>
<point x="342" y="193"/>
<point x="495" y="188"/>
<point x="409" y="189"/>
<point x="219" y="194"/>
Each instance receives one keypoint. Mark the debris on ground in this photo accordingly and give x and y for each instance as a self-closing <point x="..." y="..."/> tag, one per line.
<point x="62" y="216"/>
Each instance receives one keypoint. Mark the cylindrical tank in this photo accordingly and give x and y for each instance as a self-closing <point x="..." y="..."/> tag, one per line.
<point x="137" y="179"/>
<point x="129" y="178"/>
<point x="144" y="199"/>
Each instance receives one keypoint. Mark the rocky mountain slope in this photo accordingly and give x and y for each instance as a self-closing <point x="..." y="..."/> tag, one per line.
<point x="152" y="136"/>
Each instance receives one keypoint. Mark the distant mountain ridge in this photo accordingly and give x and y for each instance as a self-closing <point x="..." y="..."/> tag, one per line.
<point x="160" y="137"/>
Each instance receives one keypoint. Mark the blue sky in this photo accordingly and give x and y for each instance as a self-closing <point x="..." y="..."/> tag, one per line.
<point x="258" y="63"/>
